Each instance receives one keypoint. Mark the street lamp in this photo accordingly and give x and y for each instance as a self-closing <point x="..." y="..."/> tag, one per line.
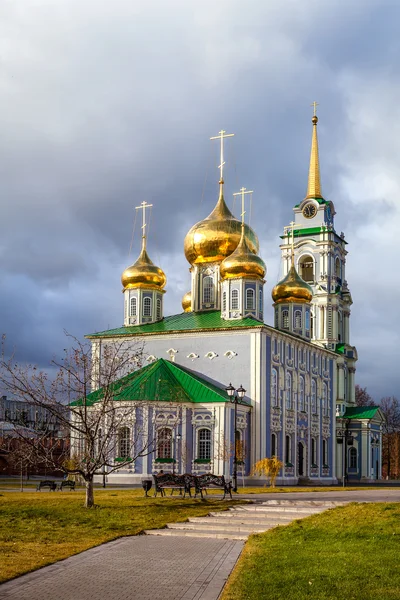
<point x="345" y="437"/>
<point x="235" y="396"/>
<point x="175" y="438"/>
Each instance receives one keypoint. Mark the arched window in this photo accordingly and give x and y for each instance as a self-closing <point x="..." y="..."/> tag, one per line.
<point x="235" y="299"/>
<point x="288" y="391"/>
<point x="273" y="445"/>
<point x="147" y="307"/>
<point x="274" y="387"/>
<point x="158" y="308"/>
<point x="208" y="290"/>
<point x="297" y="319"/>
<point x="337" y="267"/>
<point x="224" y="301"/>
<point x="250" y="299"/>
<point x="324" y="399"/>
<point x="133" y="307"/>
<point x="204" y="444"/>
<point x="306" y="265"/>
<point x="353" y="458"/>
<point x="164" y="442"/>
<point x="313" y="452"/>
<point x="124" y="446"/>
<point x="301" y="393"/>
<point x="260" y="300"/>
<point x="288" y="449"/>
<point x="285" y="319"/>
<point x="313" y="397"/>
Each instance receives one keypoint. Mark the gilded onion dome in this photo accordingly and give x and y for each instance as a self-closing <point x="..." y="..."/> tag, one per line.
<point x="243" y="262"/>
<point x="143" y="273"/>
<point x="217" y="236"/>
<point x="187" y="302"/>
<point x="292" y="289"/>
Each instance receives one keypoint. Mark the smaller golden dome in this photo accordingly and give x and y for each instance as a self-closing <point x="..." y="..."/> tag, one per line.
<point x="243" y="262"/>
<point x="143" y="273"/>
<point x="187" y="302"/>
<point x="292" y="289"/>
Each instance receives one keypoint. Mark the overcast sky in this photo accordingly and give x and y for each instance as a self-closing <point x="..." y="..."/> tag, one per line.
<point x="104" y="104"/>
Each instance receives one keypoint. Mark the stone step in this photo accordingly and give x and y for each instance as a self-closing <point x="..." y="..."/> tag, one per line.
<point x="216" y="534"/>
<point x="239" y="521"/>
<point x="230" y="528"/>
<point x="309" y="510"/>
<point x="322" y="503"/>
<point x="257" y="514"/>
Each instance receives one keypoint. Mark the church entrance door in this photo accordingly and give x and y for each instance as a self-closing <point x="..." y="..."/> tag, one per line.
<point x="300" y="455"/>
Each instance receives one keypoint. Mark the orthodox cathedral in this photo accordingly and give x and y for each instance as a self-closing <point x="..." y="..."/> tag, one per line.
<point x="297" y="395"/>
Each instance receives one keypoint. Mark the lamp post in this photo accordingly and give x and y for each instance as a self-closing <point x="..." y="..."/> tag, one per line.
<point x="346" y="438"/>
<point x="235" y="396"/>
<point x="175" y="438"/>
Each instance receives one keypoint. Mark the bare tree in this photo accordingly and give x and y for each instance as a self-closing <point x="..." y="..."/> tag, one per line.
<point x="106" y="428"/>
<point x="362" y="397"/>
<point x="390" y="407"/>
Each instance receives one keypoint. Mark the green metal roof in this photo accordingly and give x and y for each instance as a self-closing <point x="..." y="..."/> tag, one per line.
<point x="360" y="412"/>
<point x="183" y="322"/>
<point x="162" y="381"/>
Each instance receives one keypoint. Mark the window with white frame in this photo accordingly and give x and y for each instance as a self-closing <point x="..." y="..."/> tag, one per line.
<point x="224" y="301"/>
<point x="297" y="319"/>
<point x="250" y="299"/>
<point x="158" y="308"/>
<point x="260" y="300"/>
<point x="164" y="442"/>
<point x="204" y="444"/>
<point x="235" y="300"/>
<point x="208" y="289"/>
<point x="301" y="393"/>
<point x="353" y="458"/>
<point x="306" y="265"/>
<point x="289" y="391"/>
<point x="133" y="312"/>
<point x="285" y="319"/>
<point x="274" y="387"/>
<point x="313" y="397"/>
<point x="124" y="446"/>
<point x="313" y="452"/>
<point x="147" y="307"/>
<point x="337" y="267"/>
<point x="324" y="453"/>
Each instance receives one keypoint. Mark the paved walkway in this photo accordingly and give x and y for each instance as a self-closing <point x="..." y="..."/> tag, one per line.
<point x="155" y="568"/>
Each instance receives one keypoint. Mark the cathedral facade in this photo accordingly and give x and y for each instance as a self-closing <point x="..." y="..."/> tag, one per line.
<point x="298" y="375"/>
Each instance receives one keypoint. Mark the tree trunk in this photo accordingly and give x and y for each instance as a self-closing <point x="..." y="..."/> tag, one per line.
<point x="89" y="500"/>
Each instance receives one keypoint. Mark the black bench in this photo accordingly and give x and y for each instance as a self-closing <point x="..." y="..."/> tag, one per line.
<point x="173" y="482"/>
<point x="210" y="481"/>
<point x="67" y="483"/>
<point x="47" y="483"/>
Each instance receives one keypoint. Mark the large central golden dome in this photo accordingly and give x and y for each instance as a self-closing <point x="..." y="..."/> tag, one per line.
<point x="217" y="236"/>
<point x="242" y="262"/>
<point x="143" y="273"/>
<point x="292" y="289"/>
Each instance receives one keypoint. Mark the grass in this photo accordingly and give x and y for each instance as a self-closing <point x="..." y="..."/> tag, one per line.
<point x="349" y="552"/>
<point x="37" y="529"/>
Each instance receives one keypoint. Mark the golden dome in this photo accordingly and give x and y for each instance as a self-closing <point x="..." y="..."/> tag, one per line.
<point x="243" y="262"/>
<point x="143" y="273"/>
<point x="292" y="289"/>
<point x="217" y="236"/>
<point x="187" y="302"/>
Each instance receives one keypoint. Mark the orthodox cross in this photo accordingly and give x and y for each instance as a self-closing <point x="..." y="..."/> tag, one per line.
<point x="289" y="230"/>
<point x="221" y="135"/>
<point x="242" y="193"/>
<point x="315" y="104"/>
<point x="143" y="207"/>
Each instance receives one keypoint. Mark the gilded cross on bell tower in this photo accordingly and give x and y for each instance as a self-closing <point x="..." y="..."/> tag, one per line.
<point x="221" y="136"/>
<point x="143" y="207"/>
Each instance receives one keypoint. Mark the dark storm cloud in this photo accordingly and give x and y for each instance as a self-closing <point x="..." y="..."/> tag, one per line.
<point x="103" y="105"/>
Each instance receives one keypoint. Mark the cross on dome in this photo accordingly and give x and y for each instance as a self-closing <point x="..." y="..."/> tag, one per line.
<point x="242" y="193"/>
<point x="221" y="136"/>
<point x="143" y="207"/>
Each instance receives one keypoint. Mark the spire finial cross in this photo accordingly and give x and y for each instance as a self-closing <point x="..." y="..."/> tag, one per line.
<point x="315" y="104"/>
<point x="143" y="207"/>
<point x="221" y="136"/>
<point x="242" y="193"/>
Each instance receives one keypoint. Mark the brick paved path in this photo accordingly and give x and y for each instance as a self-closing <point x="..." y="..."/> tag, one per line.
<point x="140" y="567"/>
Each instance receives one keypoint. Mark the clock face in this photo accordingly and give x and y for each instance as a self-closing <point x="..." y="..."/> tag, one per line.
<point x="310" y="210"/>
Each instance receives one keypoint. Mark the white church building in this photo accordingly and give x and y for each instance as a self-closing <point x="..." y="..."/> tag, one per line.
<point x="298" y="373"/>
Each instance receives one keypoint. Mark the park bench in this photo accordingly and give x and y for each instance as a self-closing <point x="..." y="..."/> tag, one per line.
<point x="210" y="481"/>
<point x="67" y="483"/>
<point x="46" y="483"/>
<point x="173" y="482"/>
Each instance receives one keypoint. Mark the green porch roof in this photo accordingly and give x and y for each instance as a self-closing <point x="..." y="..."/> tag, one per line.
<point x="360" y="412"/>
<point x="162" y="381"/>
<point x="183" y="322"/>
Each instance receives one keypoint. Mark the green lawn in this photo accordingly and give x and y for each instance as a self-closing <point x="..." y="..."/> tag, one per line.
<point x="37" y="529"/>
<point x="349" y="553"/>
